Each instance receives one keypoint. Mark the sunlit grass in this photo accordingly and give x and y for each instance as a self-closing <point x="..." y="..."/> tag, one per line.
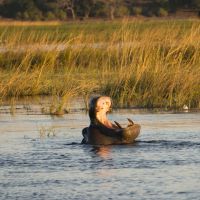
<point x="139" y="63"/>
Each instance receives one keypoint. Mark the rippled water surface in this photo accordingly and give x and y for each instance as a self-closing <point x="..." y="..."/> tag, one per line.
<point x="41" y="158"/>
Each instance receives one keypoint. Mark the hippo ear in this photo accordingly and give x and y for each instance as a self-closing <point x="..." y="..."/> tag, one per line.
<point x="119" y="126"/>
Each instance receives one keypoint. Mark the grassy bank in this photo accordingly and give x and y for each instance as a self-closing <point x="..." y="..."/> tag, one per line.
<point x="137" y="63"/>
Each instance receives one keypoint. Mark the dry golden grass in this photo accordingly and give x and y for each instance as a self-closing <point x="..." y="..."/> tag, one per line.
<point x="158" y="66"/>
<point x="29" y="23"/>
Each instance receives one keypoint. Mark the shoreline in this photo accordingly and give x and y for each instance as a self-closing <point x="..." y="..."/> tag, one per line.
<point x="42" y="105"/>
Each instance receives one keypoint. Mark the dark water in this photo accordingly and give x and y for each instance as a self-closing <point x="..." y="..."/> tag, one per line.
<point x="41" y="158"/>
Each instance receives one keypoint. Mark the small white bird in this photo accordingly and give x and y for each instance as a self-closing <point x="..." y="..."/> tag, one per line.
<point x="185" y="107"/>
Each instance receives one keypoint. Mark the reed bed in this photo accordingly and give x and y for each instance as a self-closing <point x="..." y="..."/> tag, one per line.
<point x="137" y="63"/>
<point x="29" y="23"/>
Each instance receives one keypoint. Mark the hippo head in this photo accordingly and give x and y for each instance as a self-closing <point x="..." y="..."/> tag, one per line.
<point x="99" y="107"/>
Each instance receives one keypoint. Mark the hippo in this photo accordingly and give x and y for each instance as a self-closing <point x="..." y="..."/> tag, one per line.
<point x="101" y="131"/>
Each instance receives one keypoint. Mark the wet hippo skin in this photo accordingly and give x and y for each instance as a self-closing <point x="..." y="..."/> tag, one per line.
<point x="103" y="132"/>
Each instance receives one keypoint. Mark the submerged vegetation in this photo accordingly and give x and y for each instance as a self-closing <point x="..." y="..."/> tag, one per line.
<point x="137" y="63"/>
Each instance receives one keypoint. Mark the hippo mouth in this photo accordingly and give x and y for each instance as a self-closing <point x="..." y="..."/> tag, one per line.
<point x="104" y="106"/>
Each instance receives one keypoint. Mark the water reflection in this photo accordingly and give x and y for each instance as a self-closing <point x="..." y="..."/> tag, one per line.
<point x="164" y="161"/>
<point x="102" y="151"/>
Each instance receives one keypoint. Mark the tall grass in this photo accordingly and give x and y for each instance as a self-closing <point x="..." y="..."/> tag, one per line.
<point x="140" y="63"/>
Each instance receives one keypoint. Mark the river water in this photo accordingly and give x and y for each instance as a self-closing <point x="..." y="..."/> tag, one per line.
<point x="41" y="158"/>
